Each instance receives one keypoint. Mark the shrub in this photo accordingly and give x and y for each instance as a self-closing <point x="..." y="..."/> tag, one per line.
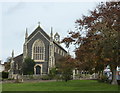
<point x="31" y="77"/>
<point x="17" y="81"/>
<point x="118" y="82"/>
<point x="53" y="73"/>
<point x="10" y="78"/>
<point x="4" y="75"/>
<point x="58" y="77"/>
<point x="28" y="66"/>
<point x="104" y="78"/>
<point x="79" y="75"/>
<point x="46" y="77"/>
<point x="67" y="75"/>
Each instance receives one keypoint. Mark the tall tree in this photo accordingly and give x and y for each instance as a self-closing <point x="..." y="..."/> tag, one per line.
<point x="7" y="64"/>
<point x="65" y="67"/>
<point x="101" y="41"/>
<point x="28" y="66"/>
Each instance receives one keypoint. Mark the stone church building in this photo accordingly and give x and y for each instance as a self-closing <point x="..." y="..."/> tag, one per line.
<point x="45" y="50"/>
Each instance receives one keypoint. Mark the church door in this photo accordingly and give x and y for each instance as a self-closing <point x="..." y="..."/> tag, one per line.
<point x="38" y="70"/>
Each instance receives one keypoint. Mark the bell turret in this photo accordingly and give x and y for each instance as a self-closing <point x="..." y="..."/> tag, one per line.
<point x="57" y="37"/>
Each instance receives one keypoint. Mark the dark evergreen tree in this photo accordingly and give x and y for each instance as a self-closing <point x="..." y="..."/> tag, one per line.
<point x="28" y="66"/>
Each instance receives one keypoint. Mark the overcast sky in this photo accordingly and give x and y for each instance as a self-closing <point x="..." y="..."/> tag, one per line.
<point x="16" y="16"/>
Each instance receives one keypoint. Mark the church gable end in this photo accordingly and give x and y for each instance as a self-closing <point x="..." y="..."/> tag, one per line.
<point x="43" y="49"/>
<point x="38" y="30"/>
<point x="39" y="35"/>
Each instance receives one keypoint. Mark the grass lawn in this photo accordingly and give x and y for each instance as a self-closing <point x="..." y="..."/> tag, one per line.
<point x="73" y="85"/>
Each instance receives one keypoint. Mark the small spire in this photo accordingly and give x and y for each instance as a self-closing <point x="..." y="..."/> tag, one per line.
<point x="51" y="32"/>
<point x="12" y="53"/>
<point x="38" y="23"/>
<point x="26" y="34"/>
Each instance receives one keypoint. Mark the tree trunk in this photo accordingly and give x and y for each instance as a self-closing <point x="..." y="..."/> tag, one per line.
<point x="114" y="78"/>
<point x="99" y="75"/>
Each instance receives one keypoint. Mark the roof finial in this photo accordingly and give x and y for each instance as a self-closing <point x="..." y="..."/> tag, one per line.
<point x="12" y="53"/>
<point x="38" y="23"/>
<point x="51" y="32"/>
<point x="26" y="34"/>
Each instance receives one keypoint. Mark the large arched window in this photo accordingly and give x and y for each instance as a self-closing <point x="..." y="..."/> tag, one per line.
<point x="38" y="50"/>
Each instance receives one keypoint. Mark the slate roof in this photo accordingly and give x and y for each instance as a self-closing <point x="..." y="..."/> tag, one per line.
<point x="59" y="46"/>
<point x="42" y="31"/>
<point x="18" y="58"/>
<point x="46" y="35"/>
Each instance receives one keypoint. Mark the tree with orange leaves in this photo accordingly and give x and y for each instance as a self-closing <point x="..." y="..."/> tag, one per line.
<point x="100" y="43"/>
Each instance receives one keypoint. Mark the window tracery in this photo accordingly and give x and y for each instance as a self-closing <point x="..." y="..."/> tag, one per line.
<point x="38" y="50"/>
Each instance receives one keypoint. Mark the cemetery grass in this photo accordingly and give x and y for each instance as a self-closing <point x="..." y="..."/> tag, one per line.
<point x="72" y="85"/>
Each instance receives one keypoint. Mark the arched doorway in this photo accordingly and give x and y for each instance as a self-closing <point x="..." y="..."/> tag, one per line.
<point x="38" y="70"/>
